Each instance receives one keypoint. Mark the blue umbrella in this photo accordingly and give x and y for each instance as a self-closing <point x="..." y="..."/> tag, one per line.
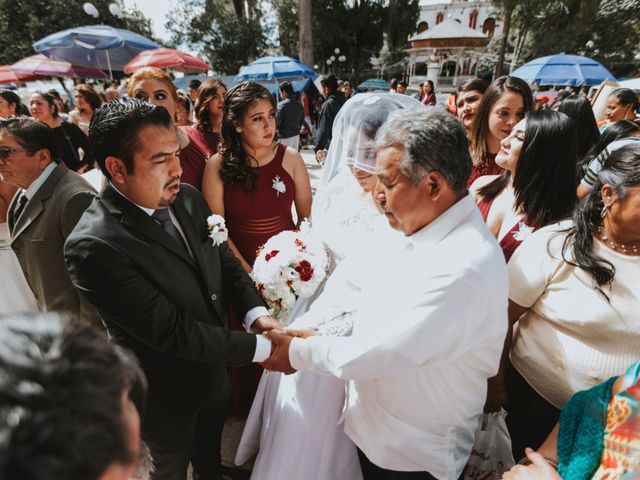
<point x="97" y="46"/>
<point x="374" y="84"/>
<point x="275" y="68"/>
<point x="564" y="70"/>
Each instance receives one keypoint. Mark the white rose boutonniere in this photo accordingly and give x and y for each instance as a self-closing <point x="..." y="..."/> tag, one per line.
<point x="217" y="229"/>
<point x="278" y="185"/>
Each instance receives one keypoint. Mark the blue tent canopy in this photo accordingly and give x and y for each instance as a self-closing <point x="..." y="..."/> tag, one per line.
<point x="301" y="85"/>
<point x="374" y="84"/>
<point x="97" y="46"/>
<point x="573" y="70"/>
<point x="275" y="68"/>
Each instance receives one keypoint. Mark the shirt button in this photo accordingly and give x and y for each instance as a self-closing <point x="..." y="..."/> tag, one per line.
<point x="214" y="297"/>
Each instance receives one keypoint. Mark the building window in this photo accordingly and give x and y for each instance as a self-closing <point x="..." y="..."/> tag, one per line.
<point x="439" y="17"/>
<point x="489" y="27"/>
<point x="473" y="19"/>
<point x="422" y="26"/>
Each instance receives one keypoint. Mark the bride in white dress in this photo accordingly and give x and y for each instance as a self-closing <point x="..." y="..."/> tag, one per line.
<point x="295" y="420"/>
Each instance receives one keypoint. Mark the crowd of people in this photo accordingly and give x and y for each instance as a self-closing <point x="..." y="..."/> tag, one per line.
<point x="479" y="259"/>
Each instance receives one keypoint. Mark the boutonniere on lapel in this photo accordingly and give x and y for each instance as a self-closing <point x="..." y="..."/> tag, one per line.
<point x="217" y="229"/>
<point x="523" y="232"/>
<point x="278" y="185"/>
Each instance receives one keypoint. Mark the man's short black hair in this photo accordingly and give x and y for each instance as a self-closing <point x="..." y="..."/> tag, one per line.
<point x="331" y="82"/>
<point x="115" y="126"/>
<point x="195" y="84"/>
<point x="32" y="135"/>
<point x="287" y="88"/>
<point x="61" y="387"/>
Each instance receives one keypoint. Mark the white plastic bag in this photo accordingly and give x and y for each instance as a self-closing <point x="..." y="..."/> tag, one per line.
<point x="491" y="453"/>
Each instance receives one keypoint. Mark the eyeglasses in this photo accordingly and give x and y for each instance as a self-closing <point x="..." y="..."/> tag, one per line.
<point x="6" y="152"/>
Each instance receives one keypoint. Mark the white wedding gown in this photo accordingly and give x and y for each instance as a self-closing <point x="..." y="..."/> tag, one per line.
<point x="295" y="421"/>
<point x="15" y="294"/>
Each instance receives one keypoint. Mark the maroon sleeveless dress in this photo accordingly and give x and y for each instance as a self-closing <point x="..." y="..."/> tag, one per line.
<point x="252" y="219"/>
<point x="512" y="239"/>
<point x="486" y="167"/>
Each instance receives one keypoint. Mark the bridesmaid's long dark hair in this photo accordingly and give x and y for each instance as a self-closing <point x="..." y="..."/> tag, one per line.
<point x="236" y="166"/>
<point x="544" y="179"/>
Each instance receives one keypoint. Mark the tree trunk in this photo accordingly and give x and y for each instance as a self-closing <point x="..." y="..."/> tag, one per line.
<point x="305" y="32"/>
<point x="508" y="10"/>
<point x="522" y="37"/>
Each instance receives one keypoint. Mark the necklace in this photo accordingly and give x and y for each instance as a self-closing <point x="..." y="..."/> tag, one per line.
<point x="615" y="246"/>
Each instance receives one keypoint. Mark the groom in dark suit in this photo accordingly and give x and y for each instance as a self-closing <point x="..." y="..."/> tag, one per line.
<point x="141" y="255"/>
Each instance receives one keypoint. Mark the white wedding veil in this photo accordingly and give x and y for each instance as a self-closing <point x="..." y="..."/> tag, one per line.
<point x="354" y="130"/>
<point x="343" y="213"/>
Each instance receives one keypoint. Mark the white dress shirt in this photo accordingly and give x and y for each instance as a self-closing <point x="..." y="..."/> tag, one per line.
<point x="263" y="346"/>
<point x="33" y="188"/>
<point x="428" y="328"/>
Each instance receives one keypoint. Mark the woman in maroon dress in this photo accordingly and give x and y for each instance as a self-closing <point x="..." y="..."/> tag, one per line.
<point x="504" y="104"/>
<point x="155" y="86"/>
<point x="537" y="184"/>
<point x="253" y="181"/>
<point x="205" y="133"/>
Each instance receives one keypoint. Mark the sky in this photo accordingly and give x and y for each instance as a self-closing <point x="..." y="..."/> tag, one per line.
<point x="157" y="11"/>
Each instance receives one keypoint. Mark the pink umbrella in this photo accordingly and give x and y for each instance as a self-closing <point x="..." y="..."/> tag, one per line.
<point x="166" y="58"/>
<point x="7" y="75"/>
<point x="43" y="66"/>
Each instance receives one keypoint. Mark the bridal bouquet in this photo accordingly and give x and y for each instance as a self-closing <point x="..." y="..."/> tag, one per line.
<point x="292" y="264"/>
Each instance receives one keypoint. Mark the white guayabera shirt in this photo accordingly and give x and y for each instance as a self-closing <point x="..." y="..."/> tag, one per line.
<point x="429" y="324"/>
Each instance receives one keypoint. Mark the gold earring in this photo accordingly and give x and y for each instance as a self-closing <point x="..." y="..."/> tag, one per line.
<point x="238" y="129"/>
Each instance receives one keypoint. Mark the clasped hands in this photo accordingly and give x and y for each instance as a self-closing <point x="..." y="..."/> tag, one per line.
<point x="280" y="339"/>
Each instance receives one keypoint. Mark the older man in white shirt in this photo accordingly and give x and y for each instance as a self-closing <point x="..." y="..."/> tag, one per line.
<point x="430" y="322"/>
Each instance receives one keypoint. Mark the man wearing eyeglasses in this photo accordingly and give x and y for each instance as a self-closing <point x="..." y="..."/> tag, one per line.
<point x="44" y="211"/>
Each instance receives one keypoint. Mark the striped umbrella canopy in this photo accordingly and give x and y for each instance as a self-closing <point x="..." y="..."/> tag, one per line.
<point x="7" y="75"/>
<point x="166" y="58"/>
<point x="96" y="46"/>
<point x="45" y="67"/>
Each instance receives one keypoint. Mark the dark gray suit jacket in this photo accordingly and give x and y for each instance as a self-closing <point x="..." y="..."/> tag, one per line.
<point x="38" y="237"/>
<point x="168" y="308"/>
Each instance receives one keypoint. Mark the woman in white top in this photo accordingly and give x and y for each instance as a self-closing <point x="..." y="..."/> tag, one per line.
<point x="575" y="302"/>
<point x="295" y="420"/>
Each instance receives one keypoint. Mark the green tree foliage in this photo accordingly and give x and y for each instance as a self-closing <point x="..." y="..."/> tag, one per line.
<point x="401" y="18"/>
<point x="287" y="15"/>
<point x="228" y="34"/>
<point x="606" y="30"/>
<point x="355" y="27"/>
<point x="24" y="22"/>
<point x="400" y="22"/>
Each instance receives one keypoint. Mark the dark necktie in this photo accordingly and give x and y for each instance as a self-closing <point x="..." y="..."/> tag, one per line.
<point x="22" y="201"/>
<point x="164" y="219"/>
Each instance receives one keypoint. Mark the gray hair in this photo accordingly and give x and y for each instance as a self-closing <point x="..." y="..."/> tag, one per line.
<point x="433" y="140"/>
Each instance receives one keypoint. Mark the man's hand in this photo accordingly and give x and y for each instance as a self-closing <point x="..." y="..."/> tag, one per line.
<point x="300" y="332"/>
<point x="538" y="469"/>
<point x="279" y="359"/>
<point x="264" y="324"/>
<point x="321" y="155"/>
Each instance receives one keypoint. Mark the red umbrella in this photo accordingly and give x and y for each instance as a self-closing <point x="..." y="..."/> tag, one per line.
<point x="7" y="75"/>
<point x="166" y="58"/>
<point x="41" y="65"/>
